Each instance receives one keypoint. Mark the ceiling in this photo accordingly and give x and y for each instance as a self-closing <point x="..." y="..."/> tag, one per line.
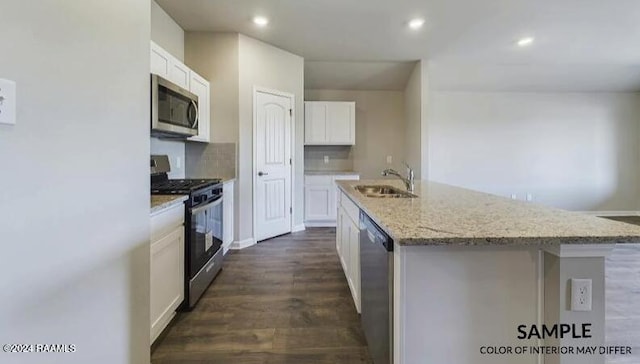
<point x="587" y="33"/>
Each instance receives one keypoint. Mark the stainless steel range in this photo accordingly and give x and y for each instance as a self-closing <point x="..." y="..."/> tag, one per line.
<point x="203" y="226"/>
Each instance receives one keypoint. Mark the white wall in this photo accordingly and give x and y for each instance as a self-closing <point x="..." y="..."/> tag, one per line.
<point x="266" y="66"/>
<point x="413" y="112"/>
<point x="176" y="152"/>
<point x="569" y="150"/>
<point x="380" y="125"/>
<point x="166" y="32"/>
<point x="170" y="36"/>
<point x="74" y="192"/>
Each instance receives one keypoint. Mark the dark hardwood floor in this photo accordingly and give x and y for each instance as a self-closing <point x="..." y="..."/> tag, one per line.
<point x="283" y="301"/>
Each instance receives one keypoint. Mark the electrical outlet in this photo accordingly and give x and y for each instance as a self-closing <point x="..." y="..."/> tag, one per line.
<point x="581" y="294"/>
<point x="529" y="197"/>
<point x="514" y="196"/>
<point x="389" y="159"/>
<point x="326" y="159"/>
<point x="7" y="102"/>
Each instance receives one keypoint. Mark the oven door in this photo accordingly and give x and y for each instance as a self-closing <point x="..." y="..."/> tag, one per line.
<point x="205" y="234"/>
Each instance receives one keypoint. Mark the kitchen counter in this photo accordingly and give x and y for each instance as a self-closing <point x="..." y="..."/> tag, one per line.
<point x="330" y="173"/>
<point x="448" y="215"/>
<point x="162" y="202"/>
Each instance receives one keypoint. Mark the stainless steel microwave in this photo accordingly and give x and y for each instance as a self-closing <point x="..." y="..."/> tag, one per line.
<point x="174" y="110"/>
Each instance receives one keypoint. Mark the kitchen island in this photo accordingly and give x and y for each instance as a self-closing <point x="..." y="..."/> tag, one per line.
<point x="470" y="269"/>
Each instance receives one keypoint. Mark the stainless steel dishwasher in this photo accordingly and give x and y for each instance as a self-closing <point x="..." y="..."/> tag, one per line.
<point x="376" y="290"/>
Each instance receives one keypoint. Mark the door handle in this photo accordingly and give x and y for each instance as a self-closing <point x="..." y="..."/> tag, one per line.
<point x="262" y="174"/>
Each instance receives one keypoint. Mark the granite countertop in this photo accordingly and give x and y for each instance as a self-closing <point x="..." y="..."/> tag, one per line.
<point x="448" y="215"/>
<point x="161" y="202"/>
<point x="329" y="173"/>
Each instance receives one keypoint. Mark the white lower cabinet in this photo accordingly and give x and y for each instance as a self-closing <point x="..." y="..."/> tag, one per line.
<point x="348" y="244"/>
<point x="320" y="199"/>
<point x="167" y="267"/>
<point x="227" y="213"/>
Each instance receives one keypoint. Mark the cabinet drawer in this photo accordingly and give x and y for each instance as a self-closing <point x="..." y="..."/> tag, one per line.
<point x="166" y="221"/>
<point x="350" y="208"/>
<point x="318" y="180"/>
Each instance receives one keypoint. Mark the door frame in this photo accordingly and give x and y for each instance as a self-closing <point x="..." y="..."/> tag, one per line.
<point x="292" y="98"/>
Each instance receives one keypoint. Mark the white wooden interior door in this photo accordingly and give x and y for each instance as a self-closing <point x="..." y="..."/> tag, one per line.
<point x="273" y="165"/>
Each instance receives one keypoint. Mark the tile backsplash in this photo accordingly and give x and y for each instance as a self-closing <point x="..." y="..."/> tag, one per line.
<point x="210" y="160"/>
<point x="339" y="158"/>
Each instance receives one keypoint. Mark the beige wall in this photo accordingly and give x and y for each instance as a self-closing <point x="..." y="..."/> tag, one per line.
<point x="263" y="65"/>
<point x="577" y="151"/>
<point x="380" y="129"/>
<point x="74" y="192"/>
<point x="166" y="32"/>
<point x="215" y="57"/>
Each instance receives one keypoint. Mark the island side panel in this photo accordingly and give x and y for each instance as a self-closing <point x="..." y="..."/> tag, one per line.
<point x="455" y="300"/>
<point x="558" y="274"/>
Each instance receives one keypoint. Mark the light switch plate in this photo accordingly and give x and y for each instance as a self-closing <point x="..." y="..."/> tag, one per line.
<point x="581" y="294"/>
<point x="7" y="102"/>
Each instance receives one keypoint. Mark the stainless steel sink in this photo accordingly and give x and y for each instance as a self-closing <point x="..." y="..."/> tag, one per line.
<point x="383" y="191"/>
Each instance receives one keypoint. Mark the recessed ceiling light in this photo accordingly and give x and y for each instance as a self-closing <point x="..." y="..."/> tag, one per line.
<point x="260" y="21"/>
<point x="523" y="42"/>
<point x="416" y="23"/>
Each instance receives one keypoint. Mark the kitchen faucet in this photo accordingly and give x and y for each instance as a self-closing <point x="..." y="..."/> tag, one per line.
<point x="408" y="182"/>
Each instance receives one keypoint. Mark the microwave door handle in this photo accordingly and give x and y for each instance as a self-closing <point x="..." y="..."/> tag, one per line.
<point x="195" y="120"/>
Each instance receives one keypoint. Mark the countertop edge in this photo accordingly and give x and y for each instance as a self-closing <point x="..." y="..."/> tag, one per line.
<point x="331" y="173"/>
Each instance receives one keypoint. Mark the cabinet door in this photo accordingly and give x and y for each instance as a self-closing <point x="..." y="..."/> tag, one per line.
<point x="315" y="122"/>
<point x="200" y="87"/>
<point x="339" y="230"/>
<point x="160" y="61"/>
<point x="167" y="279"/>
<point x="227" y="211"/>
<point x="345" y="233"/>
<point x="318" y="202"/>
<point x="341" y="125"/>
<point x="354" y="262"/>
<point x="180" y="74"/>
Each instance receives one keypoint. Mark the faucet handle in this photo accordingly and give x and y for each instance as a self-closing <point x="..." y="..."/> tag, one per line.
<point x="410" y="173"/>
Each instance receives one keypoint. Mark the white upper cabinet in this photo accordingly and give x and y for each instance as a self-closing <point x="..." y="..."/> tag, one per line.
<point x="167" y="66"/>
<point x="180" y="75"/>
<point x="160" y="61"/>
<point x="200" y="87"/>
<point x="329" y="123"/>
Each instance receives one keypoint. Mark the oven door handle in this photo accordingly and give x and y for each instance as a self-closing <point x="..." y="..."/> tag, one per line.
<point x="207" y="206"/>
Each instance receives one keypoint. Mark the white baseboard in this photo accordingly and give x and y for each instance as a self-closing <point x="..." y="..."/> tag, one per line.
<point x="611" y="213"/>
<point x="320" y="223"/>
<point x="226" y="247"/>
<point x="297" y="228"/>
<point x="241" y="244"/>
